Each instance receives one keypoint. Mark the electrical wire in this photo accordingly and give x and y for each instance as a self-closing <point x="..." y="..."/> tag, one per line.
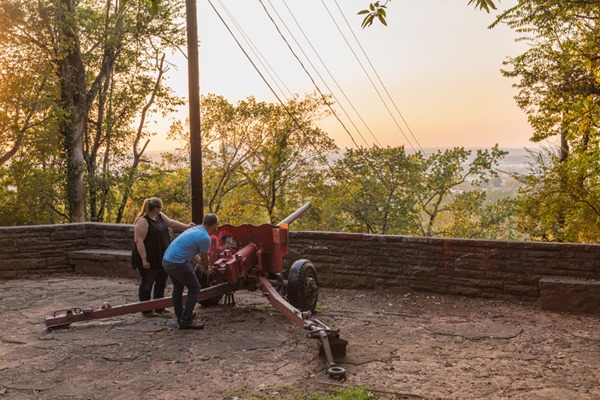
<point x="257" y="53"/>
<point x="361" y="208"/>
<point x="309" y="75"/>
<point x="378" y="77"/>
<point x="369" y="78"/>
<point x="374" y="168"/>
<point x="328" y="72"/>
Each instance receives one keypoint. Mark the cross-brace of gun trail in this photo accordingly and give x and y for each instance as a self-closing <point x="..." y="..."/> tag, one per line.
<point x="247" y="257"/>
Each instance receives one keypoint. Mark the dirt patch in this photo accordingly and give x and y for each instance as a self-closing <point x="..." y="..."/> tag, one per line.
<point x="429" y="346"/>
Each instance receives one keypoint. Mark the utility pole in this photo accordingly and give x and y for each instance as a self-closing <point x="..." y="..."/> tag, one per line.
<point x="194" y="109"/>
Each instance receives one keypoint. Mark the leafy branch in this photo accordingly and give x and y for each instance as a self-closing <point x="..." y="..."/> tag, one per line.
<point x="377" y="11"/>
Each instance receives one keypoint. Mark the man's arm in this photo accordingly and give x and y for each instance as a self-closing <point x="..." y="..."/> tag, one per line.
<point x="202" y="259"/>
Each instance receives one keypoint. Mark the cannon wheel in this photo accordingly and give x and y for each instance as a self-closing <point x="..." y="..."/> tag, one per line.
<point x="303" y="290"/>
<point x="203" y="279"/>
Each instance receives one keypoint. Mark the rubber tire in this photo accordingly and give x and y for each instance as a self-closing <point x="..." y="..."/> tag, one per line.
<point x="203" y="279"/>
<point x="303" y="288"/>
<point x="336" y="372"/>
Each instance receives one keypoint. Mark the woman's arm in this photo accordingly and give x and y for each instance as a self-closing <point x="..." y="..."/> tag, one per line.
<point x="140" y="230"/>
<point x="171" y="223"/>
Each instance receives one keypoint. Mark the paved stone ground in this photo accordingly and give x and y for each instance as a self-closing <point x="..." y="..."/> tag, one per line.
<point x="421" y="345"/>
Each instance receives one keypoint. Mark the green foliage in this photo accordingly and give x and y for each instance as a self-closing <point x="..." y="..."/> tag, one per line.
<point x="558" y="86"/>
<point x="380" y="183"/>
<point x="376" y="11"/>
<point x="168" y="182"/>
<point x="120" y="54"/>
<point x="258" y="157"/>
<point x="30" y="195"/>
<point x="286" y="149"/>
<point x="558" y="89"/>
<point x="444" y="173"/>
<point x="486" y="5"/>
<point x="387" y="191"/>
<point x="560" y="200"/>
<point x="473" y="217"/>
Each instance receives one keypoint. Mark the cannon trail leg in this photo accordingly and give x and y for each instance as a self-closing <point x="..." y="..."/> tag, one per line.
<point x="340" y="347"/>
<point x="316" y="328"/>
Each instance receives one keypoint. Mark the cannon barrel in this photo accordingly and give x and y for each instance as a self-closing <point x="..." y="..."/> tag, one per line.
<point x="293" y="216"/>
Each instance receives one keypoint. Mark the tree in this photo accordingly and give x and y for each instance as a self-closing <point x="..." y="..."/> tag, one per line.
<point x="227" y="136"/>
<point x="286" y="147"/>
<point x="445" y="173"/>
<point x="380" y="184"/>
<point x="257" y="155"/>
<point x="387" y="191"/>
<point x="558" y="89"/>
<point x="472" y="216"/>
<point x="559" y="201"/>
<point x="169" y="182"/>
<point x="103" y="70"/>
<point x="24" y="105"/>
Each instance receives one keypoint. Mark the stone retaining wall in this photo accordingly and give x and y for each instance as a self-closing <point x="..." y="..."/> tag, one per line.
<point x="27" y="251"/>
<point x="485" y="268"/>
<point x="495" y="269"/>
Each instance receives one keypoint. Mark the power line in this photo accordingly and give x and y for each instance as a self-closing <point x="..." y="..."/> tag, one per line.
<point x="378" y="77"/>
<point x="257" y="53"/>
<point x="368" y="76"/>
<point x="328" y="71"/>
<point x="309" y="75"/>
<point x="361" y="208"/>
<point x="375" y="168"/>
<point x="311" y="64"/>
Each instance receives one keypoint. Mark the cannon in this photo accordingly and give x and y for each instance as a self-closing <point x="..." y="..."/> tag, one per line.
<point x="245" y="257"/>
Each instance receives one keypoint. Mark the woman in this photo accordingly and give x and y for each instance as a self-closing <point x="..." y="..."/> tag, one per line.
<point x="151" y="237"/>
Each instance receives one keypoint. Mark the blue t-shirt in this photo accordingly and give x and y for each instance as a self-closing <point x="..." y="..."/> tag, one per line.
<point x="185" y="246"/>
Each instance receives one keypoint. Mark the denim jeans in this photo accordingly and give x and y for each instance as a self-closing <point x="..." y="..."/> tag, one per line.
<point x="152" y="278"/>
<point x="183" y="275"/>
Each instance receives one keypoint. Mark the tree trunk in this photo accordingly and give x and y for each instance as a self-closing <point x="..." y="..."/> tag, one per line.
<point x="564" y="146"/>
<point x="71" y="73"/>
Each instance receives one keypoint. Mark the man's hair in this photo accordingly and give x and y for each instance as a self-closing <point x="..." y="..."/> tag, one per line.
<point x="210" y="219"/>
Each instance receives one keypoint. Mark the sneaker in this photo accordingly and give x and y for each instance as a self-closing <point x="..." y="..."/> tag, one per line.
<point x="192" y="325"/>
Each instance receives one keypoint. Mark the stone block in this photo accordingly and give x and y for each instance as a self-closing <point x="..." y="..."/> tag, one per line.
<point x="464" y="290"/>
<point x="69" y="232"/>
<point x="574" y="295"/>
<point x="102" y="262"/>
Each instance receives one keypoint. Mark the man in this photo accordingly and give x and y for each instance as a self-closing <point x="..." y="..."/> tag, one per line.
<point x="192" y="244"/>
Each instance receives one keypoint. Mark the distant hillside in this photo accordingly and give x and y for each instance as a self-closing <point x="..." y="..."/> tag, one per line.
<point x="515" y="161"/>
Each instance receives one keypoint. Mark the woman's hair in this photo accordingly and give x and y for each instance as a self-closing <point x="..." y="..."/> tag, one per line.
<point x="150" y="204"/>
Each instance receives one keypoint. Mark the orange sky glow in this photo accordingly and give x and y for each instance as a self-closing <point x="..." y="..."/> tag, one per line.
<point x="437" y="59"/>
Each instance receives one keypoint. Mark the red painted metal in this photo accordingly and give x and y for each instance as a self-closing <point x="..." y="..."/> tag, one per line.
<point x="271" y="240"/>
<point x="64" y="318"/>
<point x="295" y="315"/>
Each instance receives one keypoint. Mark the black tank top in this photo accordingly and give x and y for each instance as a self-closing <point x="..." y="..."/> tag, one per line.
<point x="156" y="242"/>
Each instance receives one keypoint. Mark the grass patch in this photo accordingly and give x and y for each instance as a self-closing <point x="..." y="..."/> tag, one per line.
<point x="338" y="393"/>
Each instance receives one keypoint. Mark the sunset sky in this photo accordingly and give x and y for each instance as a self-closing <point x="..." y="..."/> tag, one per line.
<point x="437" y="59"/>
